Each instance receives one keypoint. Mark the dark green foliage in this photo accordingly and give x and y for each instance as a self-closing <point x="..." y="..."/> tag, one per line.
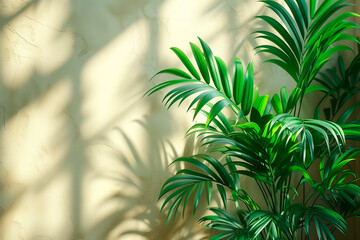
<point x="263" y="137"/>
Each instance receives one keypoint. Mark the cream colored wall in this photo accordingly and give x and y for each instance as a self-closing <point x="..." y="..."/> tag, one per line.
<point x="83" y="156"/>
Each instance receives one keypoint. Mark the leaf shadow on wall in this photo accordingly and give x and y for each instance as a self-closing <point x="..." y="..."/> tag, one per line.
<point x="91" y="35"/>
<point x="241" y="24"/>
<point x="240" y="27"/>
<point x="69" y="132"/>
<point x="140" y="171"/>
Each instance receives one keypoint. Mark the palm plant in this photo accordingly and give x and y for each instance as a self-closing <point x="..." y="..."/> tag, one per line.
<point x="266" y="140"/>
<point x="341" y="85"/>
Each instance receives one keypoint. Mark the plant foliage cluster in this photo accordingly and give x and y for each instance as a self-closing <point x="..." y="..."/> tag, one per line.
<point x="263" y="138"/>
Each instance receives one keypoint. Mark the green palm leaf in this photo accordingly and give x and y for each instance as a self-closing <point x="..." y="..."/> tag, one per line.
<point x="230" y="226"/>
<point x="185" y="60"/>
<point x="238" y="81"/>
<point x="272" y="150"/>
<point x="224" y="76"/>
<point x="224" y="93"/>
<point x="322" y="217"/>
<point x="173" y="71"/>
<point x="304" y="44"/>
<point x="201" y="62"/>
<point x="186" y="182"/>
<point x="211" y="62"/>
<point x="248" y="89"/>
<point x="269" y="223"/>
<point x="276" y="103"/>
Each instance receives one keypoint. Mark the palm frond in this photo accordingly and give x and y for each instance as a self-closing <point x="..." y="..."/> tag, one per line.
<point x="268" y="223"/>
<point x="309" y="131"/>
<point x="187" y="182"/>
<point x="322" y="218"/>
<point x="342" y="84"/>
<point x="305" y="38"/>
<point x="230" y="226"/>
<point x="215" y="86"/>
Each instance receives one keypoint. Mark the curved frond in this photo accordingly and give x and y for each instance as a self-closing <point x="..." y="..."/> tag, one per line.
<point x="268" y="224"/>
<point x="207" y="172"/>
<point x="312" y="134"/>
<point x="322" y="218"/>
<point x="229" y="226"/>
<point x="305" y="38"/>
<point x="236" y="92"/>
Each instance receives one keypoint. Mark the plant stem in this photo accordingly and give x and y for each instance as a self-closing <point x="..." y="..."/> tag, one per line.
<point x="317" y="197"/>
<point x="308" y="200"/>
<point x="265" y="195"/>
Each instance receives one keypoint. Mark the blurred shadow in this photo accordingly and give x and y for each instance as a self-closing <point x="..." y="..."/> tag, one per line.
<point x="85" y="47"/>
<point x="143" y="166"/>
<point x="240" y="26"/>
<point x="141" y="161"/>
<point x="4" y="20"/>
<point x="237" y="26"/>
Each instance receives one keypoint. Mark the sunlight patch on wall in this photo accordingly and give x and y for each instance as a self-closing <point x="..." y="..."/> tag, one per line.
<point x="35" y="215"/>
<point x="31" y="42"/>
<point x="110" y="79"/>
<point x="29" y="142"/>
<point x="131" y="162"/>
<point x="18" y="51"/>
<point x="53" y="33"/>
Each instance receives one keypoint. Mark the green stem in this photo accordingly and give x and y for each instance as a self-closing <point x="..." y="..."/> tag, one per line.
<point x="298" y="185"/>
<point x="317" y="197"/>
<point x="282" y="194"/>
<point x="300" y="104"/>
<point x="285" y="194"/>
<point x="266" y="196"/>
<point x="272" y="199"/>
<point x="276" y="199"/>
<point x="273" y="191"/>
<point x="340" y="107"/>
<point x="323" y="99"/>
<point x="312" y="195"/>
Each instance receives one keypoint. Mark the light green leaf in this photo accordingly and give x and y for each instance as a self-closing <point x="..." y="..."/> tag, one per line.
<point x="216" y="109"/>
<point x="185" y="60"/>
<point x="261" y="103"/>
<point x="248" y="89"/>
<point x="276" y="103"/>
<point x="211" y="62"/>
<point x="201" y="62"/>
<point x="238" y="81"/>
<point x="313" y="6"/>
<point x="284" y="97"/>
<point x="224" y="76"/>
<point x="173" y="71"/>
<point x="293" y="99"/>
<point x="312" y="88"/>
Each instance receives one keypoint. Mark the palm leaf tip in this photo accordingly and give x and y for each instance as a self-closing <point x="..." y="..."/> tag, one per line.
<point x="185" y="60"/>
<point x="201" y="62"/>
<point x="225" y="76"/>
<point x="238" y="82"/>
<point x="211" y="62"/>
<point x="247" y="97"/>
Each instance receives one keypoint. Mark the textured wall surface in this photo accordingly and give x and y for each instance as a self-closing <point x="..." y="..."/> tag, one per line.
<point x="82" y="154"/>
